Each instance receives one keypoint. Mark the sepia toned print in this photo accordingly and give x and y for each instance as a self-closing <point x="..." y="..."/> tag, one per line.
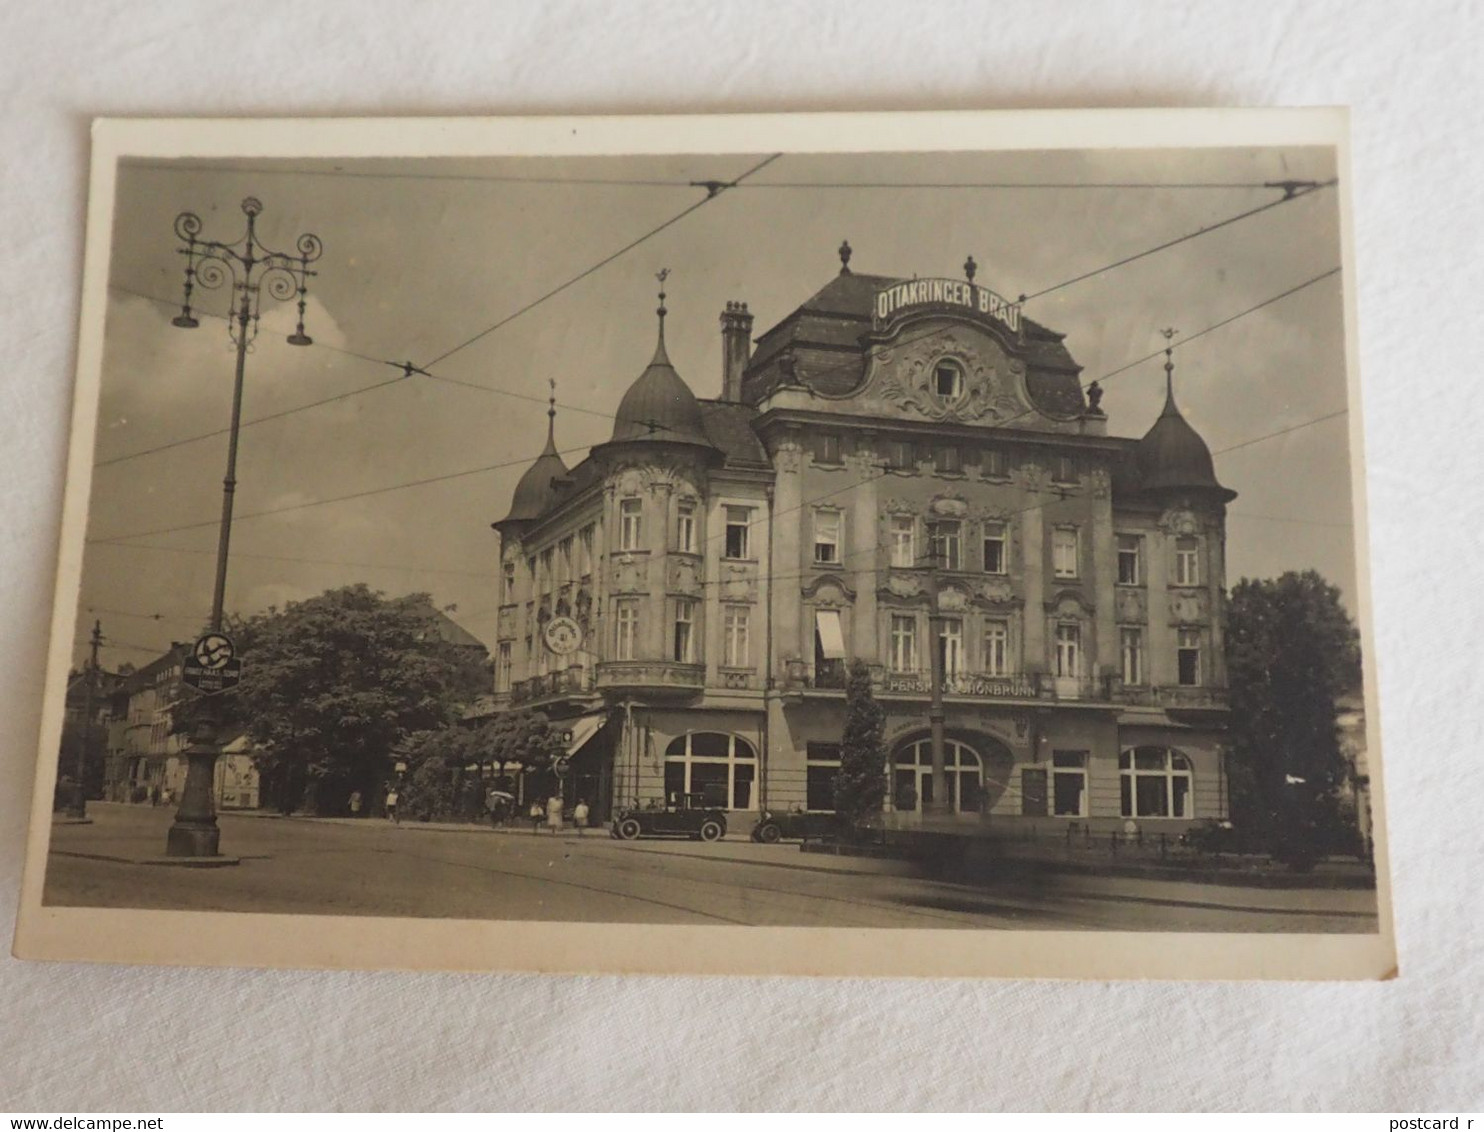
<point x="917" y="544"/>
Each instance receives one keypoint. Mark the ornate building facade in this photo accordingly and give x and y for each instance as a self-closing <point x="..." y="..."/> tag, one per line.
<point x="897" y="465"/>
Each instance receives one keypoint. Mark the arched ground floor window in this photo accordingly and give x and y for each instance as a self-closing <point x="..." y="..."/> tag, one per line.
<point x="719" y="766"/>
<point x="962" y="772"/>
<point x="1156" y="782"/>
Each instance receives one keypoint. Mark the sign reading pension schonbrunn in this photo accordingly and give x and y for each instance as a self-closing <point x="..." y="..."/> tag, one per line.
<point x="946" y="292"/>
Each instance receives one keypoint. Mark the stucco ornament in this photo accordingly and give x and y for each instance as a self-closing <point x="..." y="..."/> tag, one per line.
<point x="1130" y="605"/>
<point x="903" y="375"/>
<point x="1179" y="521"/>
<point x="997" y="591"/>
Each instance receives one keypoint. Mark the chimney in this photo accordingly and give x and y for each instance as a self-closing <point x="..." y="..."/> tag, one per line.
<point x="736" y="349"/>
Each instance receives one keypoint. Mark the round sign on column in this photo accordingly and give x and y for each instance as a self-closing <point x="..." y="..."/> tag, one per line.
<point x="213" y="665"/>
<point x="562" y="635"/>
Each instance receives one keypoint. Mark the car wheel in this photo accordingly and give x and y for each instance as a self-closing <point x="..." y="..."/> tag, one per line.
<point x="628" y="829"/>
<point x="769" y="834"/>
<point x="711" y="831"/>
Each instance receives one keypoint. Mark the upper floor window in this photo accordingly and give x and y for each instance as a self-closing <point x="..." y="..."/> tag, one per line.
<point x="1130" y="560"/>
<point x="502" y="667"/>
<point x="585" y="550"/>
<point x="507" y="584"/>
<point x="1069" y="650"/>
<point x="1187" y="561"/>
<point x="564" y="559"/>
<point x="626" y="631"/>
<point x="992" y="463"/>
<point x="948" y="458"/>
<point x="685" y="527"/>
<point x="901" y="455"/>
<point x="685" y="630"/>
<point x="948" y="544"/>
<point x="827" y="535"/>
<point x="532" y="573"/>
<point x="1189" y="657"/>
<point x="736" y="626"/>
<point x="1131" y="648"/>
<point x="546" y="570"/>
<point x="996" y="648"/>
<point x="739" y="522"/>
<point x="994" y="548"/>
<point x="1064" y="552"/>
<point x="903" y="642"/>
<point x="948" y="380"/>
<point x="1064" y="469"/>
<point x="903" y="541"/>
<point x="630" y="523"/>
<point x="951" y="645"/>
<point x="826" y="448"/>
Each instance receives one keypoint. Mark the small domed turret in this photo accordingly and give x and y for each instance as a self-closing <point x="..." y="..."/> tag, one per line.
<point x="535" y="491"/>
<point x="660" y="406"/>
<point x="1172" y="456"/>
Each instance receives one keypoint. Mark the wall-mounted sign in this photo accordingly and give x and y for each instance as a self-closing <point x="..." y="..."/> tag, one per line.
<point x="562" y="635"/>
<point x="949" y="293"/>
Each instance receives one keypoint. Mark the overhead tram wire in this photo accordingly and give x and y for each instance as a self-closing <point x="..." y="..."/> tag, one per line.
<point x="390" y="567"/>
<point x="1287" y="196"/>
<point x="475" y="471"/>
<point x="409" y="369"/>
<point x="120" y="539"/>
<point x="660" y="183"/>
<point x="1304" y="188"/>
<point x="711" y="194"/>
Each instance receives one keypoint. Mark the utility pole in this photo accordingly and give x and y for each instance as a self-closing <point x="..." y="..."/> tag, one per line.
<point x="78" y="807"/>
<point x="252" y="268"/>
<point x="936" y="715"/>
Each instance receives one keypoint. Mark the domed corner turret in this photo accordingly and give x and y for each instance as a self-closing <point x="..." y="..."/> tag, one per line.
<point x="1172" y="457"/>
<point x="537" y="490"/>
<point x="660" y="407"/>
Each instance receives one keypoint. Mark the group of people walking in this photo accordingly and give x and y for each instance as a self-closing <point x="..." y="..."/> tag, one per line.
<point x="552" y="814"/>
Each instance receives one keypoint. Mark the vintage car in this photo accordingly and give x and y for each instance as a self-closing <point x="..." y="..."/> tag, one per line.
<point x="777" y="825"/>
<point x="685" y="815"/>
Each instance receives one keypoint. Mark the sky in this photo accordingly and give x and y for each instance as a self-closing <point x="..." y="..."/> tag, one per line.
<point x="421" y="256"/>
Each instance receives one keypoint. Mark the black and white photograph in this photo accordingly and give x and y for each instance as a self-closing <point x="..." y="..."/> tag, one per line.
<point x="851" y="544"/>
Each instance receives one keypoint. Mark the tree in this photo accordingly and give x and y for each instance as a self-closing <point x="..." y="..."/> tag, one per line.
<point x="1291" y="651"/>
<point x="860" y="784"/>
<point x="332" y="685"/>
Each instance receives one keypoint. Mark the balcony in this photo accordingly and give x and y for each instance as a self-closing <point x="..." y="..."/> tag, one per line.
<point x="575" y="680"/>
<point x="651" y="676"/>
<point x="1171" y="697"/>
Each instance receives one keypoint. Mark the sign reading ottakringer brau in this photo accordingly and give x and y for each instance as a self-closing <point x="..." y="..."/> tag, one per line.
<point x="946" y="292"/>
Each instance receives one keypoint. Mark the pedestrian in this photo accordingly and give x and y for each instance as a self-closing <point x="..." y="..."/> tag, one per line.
<point x="537" y="813"/>
<point x="554" y="813"/>
<point x="355" y="803"/>
<point x="579" y="815"/>
<point x="154" y="794"/>
<point x="492" y="801"/>
<point x="391" y="806"/>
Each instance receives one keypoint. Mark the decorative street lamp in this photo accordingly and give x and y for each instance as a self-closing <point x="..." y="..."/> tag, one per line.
<point x="252" y="268"/>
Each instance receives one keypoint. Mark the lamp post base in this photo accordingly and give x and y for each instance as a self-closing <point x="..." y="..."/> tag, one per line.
<point x="195" y="833"/>
<point x="193" y="840"/>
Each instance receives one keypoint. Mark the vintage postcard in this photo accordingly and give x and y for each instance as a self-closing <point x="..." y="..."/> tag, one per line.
<point x="893" y="544"/>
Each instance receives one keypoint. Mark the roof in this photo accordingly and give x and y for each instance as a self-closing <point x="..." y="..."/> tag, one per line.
<point x="659" y="406"/>
<point x="1172" y="456"/>
<point x="452" y="632"/>
<point x="822" y="341"/>
<point x="729" y="428"/>
<point x="535" y="491"/>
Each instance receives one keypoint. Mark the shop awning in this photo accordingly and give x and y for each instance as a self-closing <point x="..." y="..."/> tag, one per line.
<point x="578" y="731"/>
<point x="831" y="636"/>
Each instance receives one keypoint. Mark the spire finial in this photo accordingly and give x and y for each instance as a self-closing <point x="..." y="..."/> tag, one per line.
<point x="551" y="416"/>
<point x="845" y="253"/>
<point x="1169" y="332"/>
<point x="662" y="274"/>
<point x="970" y="269"/>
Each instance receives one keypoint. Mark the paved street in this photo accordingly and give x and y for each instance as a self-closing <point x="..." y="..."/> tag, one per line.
<point x="372" y="868"/>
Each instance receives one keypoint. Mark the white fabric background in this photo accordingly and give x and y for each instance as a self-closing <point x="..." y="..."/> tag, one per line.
<point x="80" y="1038"/>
